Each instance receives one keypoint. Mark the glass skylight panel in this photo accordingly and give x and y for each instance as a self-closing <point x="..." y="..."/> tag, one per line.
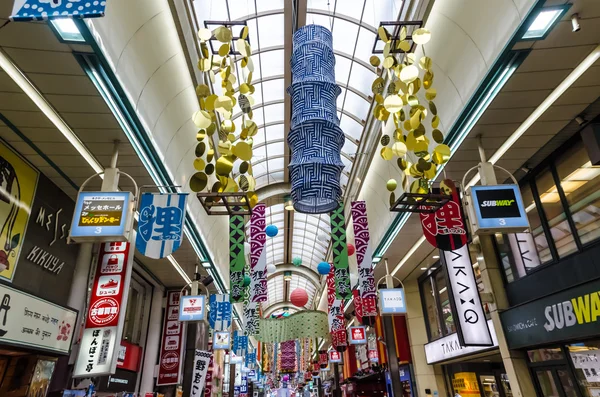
<point x="273" y="112"/>
<point x="350" y="8"/>
<point x="351" y="127"/>
<point x="258" y="152"/>
<point x="319" y="19"/>
<point x="275" y="163"/>
<point x="356" y="105"/>
<point x="210" y="10"/>
<point x="364" y="44"/>
<point x="361" y="78"/>
<point x="270" y="30"/>
<point x="272" y="63"/>
<point x="275" y="149"/>
<point x="323" y="5"/>
<point x="344" y="35"/>
<point x="342" y="68"/>
<point x="273" y="90"/>
<point x="270" y="5"/>
<point x="381" y="10"/>
<point x="240" y="9"/>
<point x="259" y="167"/>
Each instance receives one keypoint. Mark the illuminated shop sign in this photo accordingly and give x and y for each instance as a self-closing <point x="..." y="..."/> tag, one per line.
<point x="497" y="208"/>
<point x="102" y="216"/>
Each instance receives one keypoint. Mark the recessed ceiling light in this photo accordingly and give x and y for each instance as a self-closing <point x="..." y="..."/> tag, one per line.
<point x="423" y="268"/>
<point x="67" y="30"/>
<point x="436" y="257"/>
<point x="542" y="23"/>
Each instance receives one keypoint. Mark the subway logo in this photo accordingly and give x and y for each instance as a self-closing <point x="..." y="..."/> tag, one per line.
<point x="497" y="203"/>
<point x="583" y="309"/>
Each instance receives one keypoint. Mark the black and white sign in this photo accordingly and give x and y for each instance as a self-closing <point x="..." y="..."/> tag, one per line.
<point x="28" y="321"/>
<point x="201" y="362"/>
<point x="464" y="298"/>
<point x="449" y="347"/>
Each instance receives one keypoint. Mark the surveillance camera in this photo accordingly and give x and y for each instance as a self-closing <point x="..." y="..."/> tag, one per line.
<point x="579" y="120"/>
<point x="575" y="22"/>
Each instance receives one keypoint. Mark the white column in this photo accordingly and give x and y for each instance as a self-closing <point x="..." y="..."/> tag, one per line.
<point x="78" y="295"/>
<point x="152" y="347"/>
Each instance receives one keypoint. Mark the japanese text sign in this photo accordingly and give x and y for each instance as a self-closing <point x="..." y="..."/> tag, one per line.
<point x="101" y="217"/>
<point x="160" y="225"/>
<point x="171" y="351"/>
<point x="219" y="316"/>
<point x="192" y="308"/>
<point x="201" y="364"/>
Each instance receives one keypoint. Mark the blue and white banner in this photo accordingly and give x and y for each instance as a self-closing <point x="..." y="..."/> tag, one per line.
<point x="160" y="226"/>
<point x="38" y="10"/>
<point x="219" y="317"/>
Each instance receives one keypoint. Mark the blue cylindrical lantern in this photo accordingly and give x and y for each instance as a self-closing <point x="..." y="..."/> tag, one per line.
<point x="315" y="138"/>
<point x="323" y="268"/>
<point x="271" y="230"/>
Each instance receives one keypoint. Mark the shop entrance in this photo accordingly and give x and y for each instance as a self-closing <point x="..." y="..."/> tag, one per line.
<point x="554" y="381"/>
<point x="478" y="378"/>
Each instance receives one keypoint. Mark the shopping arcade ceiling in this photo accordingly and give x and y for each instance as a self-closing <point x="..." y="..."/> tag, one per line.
<point x="354" y="26"/>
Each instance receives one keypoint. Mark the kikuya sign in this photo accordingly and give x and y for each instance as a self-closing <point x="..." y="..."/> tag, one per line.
<point x="449" y="347"/>
<point x="570" y="314"/>
<point x="497" y="208"/>
<point x="464" y="297"/>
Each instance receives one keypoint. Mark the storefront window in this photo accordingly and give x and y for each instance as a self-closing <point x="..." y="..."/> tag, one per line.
<point x="580" y="182"/>
<point x="586" y="362"/>
<point x="444" y="297"/>
<point x="547" y="354"/>
<point x="555" y="214"/>
<point x="435" y="330"/>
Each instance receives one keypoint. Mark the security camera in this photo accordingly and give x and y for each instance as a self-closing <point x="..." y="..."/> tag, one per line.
<point x="575" y="22"/>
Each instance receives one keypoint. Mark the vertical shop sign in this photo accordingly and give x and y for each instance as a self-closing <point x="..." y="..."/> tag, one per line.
<point x="343" y="289"/>
<point x="446" y="228"/>
<point x="336" y="315"/>
<point x="160" y="225"/>
<point x="219" y="317"/>
<point x="471" y="324"/>
<point x="201" y="364"/>
<point x="106" y="312"/>
<point x="236" y="258"/>
<point x="364" y="258"/>
<point x="171" y="351"/>
<point x="18" y="181"/>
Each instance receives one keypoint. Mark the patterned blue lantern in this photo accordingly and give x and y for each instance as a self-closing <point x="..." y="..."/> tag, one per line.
<point x="315" y="138"/>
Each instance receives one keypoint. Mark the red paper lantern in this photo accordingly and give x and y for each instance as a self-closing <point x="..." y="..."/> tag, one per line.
<point x="299" y="297"/>
<point x="351" y="249"/>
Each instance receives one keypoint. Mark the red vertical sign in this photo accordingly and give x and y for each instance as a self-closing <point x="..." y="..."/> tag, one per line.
<point x="171" y="360"/>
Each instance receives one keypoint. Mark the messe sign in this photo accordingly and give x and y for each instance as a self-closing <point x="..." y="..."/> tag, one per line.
<point x="192" y="308"/>
<point x="464" y="298"/>
<point x="27" y="321"/>
<point x="357" y="335"/>
<point x="449" y="347"/>
<point x="497" y="209"/>
<point x="102" y="216"/>
<point x="171" y="350"/>
<point x="391" y="301"/>
<point x="106" y="311"/>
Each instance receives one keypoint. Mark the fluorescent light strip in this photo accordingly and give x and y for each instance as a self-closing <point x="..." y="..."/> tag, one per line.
<point x="179" y="269"/>
<point x="409" y="254"/>
<point x="23" y="82"/>
<point x="539" y="111"/>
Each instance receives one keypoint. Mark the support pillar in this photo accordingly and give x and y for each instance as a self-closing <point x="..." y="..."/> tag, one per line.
<point x="151" y="350"/>
<point x="337" y="392"/>
<point x="427" y="377"/>
<point x="390" y="343"/>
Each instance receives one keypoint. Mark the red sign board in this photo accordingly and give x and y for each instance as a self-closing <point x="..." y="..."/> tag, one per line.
<point x="172" y="343"/>
<point x="446" y="227"/>
<point x="129" y="356"/>
<point x="109" y="283"/>
<point x="373" y="355"/>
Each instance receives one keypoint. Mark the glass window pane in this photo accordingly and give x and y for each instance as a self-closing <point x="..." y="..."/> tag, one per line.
<point x="239" y="9"/>
<point x="364" y="44"/>
<point x="272" y="113"/>
<point x="584" y="357"/>
<point x="581" y="183"/>
<point x="342" y="69"/>
<point x="490" y="388"/>
<point x="350" y="8"/>
<point x="444" y="298"/>
<point x="546" y="354"/>
<point x="547" y="384"/>
<point x="567" y="382"/>
<point x="465" y="384"/>
<point x="344" y="36"/>
<point x="433" y="316"/>
<point x="275" y="149"/>
<point x="555" y="214"/>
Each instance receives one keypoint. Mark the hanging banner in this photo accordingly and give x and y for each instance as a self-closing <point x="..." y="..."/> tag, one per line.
<point x="219" y="317"/>
<point x="251" y="318"/>
<point x="106" y="312"/>
<point x="340" y="253"/>
<point x="102" y="217"/>
<point x="160" y="224"/>
<point x="446" y="227"/>
<point x="201" y="364"/>
<point x="258" y="254"/>
<point x="358" y="307"/>
<point x="41" y="10"/>
<point x="171" y="351"/>
<point x="236" y="258"/>
<point x="335" y="314"/>
<point x="209" y="373"/>
<point x="364" y="258"/>
<point x="288" y="356"/>
<point x="468" y="312"/>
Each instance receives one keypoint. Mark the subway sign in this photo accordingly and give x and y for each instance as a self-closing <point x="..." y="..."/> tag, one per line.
<point x="569" y="314"/>
<point x="497" y="208"/>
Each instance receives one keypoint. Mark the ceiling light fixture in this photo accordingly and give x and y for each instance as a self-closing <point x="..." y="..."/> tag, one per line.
<point x="23" y="82"/>
<point x="67" y="30"/>
<point x="424" y="268"/>
<point x="575" y="22"/>
<point x="287" y="275"/>
<point x="289" y="204"/>
<point x="410" y="253"/>
<point x="543" y="22"/>
<point x="540" y="110"/>
<point x="436" y="257"/>
<point x="179" y="269"/>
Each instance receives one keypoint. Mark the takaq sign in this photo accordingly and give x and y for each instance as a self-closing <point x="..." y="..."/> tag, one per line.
<point x="391" y="301"/>
<point x="471" y="324"/>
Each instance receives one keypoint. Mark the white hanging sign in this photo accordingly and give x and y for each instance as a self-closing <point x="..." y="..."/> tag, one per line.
<point x="201" y="362"/>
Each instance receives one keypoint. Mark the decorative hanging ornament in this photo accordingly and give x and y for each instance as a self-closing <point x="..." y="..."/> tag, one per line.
<point x="247" y="280"/>
<point x="323" y="268"/>
<point x="297" y="261"/>
<point x="351" y="249"/>
<point x="272" y="230"/>
<point x="299" y="297"/>
<point x="322" y="237"/>
<point x="271" y="269"/>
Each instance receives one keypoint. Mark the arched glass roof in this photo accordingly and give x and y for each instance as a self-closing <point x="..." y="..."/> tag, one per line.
<point x="354" y="26"/>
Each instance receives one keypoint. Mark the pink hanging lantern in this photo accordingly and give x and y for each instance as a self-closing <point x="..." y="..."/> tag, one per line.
<point x="299" y="297"/>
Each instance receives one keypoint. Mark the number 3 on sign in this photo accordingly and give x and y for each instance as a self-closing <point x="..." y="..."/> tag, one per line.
<point x="502" y="221"/>
<point x="98" y="230"/>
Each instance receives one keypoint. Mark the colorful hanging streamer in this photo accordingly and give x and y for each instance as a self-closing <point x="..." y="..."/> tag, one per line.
<point x="258" y="254"/>
<point x="364" y="258"/>
<point x="337" y="327"/>
<point x="340" y="253"/>
<point x="236" y="258"/>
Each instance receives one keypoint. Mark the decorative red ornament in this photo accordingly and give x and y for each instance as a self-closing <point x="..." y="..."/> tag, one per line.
<point x="299" y="297"/>
<point x="351" y="249"/>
